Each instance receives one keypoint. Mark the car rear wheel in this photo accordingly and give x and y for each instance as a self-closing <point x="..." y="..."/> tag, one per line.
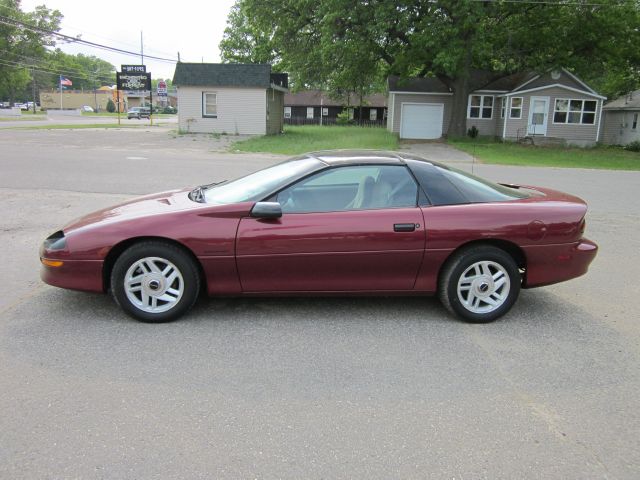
<point x="479" y="284"/>
<point x="155" y="282"/>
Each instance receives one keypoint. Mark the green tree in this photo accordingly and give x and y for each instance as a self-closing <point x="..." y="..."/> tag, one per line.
<point x="111" y="107"/>
<point x="22" y="47"/>
<point x="341" y="41"/>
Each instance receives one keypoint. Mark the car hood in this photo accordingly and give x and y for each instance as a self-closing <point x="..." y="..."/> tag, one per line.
<point x="148" y="205"/>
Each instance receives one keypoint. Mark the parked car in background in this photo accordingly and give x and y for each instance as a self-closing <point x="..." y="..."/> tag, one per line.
<point x="334" y="222"/>
<point x="87" y="108"/>
<point x="138" y="112"/>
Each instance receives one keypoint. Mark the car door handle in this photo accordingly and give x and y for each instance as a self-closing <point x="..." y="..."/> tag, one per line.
<point x="404" y="227"/>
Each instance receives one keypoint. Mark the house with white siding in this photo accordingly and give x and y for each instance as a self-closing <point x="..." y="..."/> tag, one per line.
<point x="552" y="107"/>
<point x="620" y="123"/>
<point x="228" y="98"/>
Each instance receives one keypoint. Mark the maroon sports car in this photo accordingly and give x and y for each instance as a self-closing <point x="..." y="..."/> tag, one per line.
<point x="327" y="223"/>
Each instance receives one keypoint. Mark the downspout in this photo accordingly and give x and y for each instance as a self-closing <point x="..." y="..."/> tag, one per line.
<point x="599" y="121"/>
<point x="507" y="107"/>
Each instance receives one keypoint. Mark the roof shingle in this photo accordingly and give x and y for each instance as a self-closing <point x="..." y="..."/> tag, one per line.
<point x="222" y="75"/>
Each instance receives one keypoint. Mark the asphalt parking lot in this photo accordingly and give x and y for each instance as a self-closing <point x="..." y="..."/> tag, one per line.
<point x="304" y="388"/>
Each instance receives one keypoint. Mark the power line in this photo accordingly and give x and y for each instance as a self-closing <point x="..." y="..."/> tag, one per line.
<point x="45" y="69"/>
<point x="43" y="63"/>
<point x="19" y="23"/>
<point x="111" y="40"/>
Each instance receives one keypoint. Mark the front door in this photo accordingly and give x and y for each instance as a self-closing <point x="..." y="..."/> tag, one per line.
<point x="348" y="228"/>
<point x="538" y="116"/>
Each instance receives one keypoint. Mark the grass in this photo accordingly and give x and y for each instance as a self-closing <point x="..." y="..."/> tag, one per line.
<point x="302" y="139"/>
<point x="600" y="157"/>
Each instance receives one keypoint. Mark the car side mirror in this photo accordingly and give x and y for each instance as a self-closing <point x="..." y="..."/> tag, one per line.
<point x="266" y="210"/>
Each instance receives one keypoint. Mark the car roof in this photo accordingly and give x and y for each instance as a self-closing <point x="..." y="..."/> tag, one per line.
<point x="358" y="157"/>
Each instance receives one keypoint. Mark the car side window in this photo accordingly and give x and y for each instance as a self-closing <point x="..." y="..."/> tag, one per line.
<point x="362" y="187"/>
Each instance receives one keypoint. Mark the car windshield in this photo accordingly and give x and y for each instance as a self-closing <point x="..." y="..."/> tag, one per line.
<point x="258" y="185"/>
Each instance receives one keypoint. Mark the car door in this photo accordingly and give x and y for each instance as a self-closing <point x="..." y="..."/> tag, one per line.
<point x="348" y="228"/>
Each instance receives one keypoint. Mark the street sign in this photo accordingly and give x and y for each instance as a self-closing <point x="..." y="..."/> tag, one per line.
<point x="162" y="88"/>
<point x="133" y="68"/>
<point x="133" y="81"/>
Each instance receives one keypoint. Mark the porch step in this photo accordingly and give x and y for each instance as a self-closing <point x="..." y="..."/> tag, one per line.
<point x="548" y="141"/>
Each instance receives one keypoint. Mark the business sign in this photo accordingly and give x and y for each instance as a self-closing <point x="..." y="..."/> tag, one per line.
<point x="133" y="81"/>
<point x="133" y="68"/>
<point x="162" y="88"/>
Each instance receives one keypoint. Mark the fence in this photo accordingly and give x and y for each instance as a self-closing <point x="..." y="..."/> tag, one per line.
<point x="333" y="121"/>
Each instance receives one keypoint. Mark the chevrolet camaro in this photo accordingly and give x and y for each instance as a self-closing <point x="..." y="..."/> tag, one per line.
<point x="327" y="223"/>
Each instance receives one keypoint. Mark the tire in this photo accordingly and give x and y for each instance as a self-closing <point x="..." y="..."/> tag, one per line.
<point x="479" y="284"/>
<point x="155" y="282"/>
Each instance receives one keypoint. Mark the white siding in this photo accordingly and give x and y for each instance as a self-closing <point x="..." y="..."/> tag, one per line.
<point x="241" y="111"/>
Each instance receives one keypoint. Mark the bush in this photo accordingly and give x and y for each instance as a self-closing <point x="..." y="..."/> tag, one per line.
<point x="633" y="146"/>
<point x="170" y="109"/>
<point x="343" y="117"/>
<point x="473" y="132"/>
<point x="111" y="107"/>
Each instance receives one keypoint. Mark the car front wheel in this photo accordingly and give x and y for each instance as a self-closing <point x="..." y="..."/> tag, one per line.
<point x="155" y="282"/>
<point x="479" y="284"/>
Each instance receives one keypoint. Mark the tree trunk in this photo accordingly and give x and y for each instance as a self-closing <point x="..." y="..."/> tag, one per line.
<point x="461" y="91"/>
<point x="458" y="124"/>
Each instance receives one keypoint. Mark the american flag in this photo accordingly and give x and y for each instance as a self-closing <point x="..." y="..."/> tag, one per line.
<point x="65" y="81"/>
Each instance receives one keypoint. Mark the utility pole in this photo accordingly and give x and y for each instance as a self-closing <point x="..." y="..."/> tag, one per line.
<point x="33" y="82"/>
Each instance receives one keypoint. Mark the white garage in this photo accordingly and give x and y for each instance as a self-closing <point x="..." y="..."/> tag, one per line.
<point x="421" y="120"/>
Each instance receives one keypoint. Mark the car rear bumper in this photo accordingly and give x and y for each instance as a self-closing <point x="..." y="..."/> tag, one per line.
<point x="549" y="264"/>
<point x="85" y="275"/>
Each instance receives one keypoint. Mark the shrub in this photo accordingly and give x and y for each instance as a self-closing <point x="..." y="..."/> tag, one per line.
<point x="633" y="146"/>
<point x="111" y="107"/>
<point x="473" y="132"/>
<point x="343" y="117"/>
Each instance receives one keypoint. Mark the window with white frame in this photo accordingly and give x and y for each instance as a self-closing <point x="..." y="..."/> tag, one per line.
<point x="634" y="125"/>
<point x="287" y="112"/>
<point x="309" y="112"/>
<point x="580" y="112"/>
<point x="480" y="106"/>
<point x="209" y="104"/>
<point x="325" y="111"/>
<point x="503" y="104"/>
<point x="373" y="114"/>
<point x="515" y="110"/>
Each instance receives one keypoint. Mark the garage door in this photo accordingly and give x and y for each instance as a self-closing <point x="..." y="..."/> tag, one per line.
<point x="422" y="121"/>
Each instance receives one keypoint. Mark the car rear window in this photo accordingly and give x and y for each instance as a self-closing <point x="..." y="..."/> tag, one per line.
<point x="448" y="186"/>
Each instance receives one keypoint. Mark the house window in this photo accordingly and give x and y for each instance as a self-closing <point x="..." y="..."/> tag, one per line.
<point x="516" y="108"/>
<point x="209" y="104"/>
<point x="503" y="104"/>
<point x="350" y="113"/>
<point x="480" y="106"/>
<point x="581" y="112"/>
<point x="309" y="112"/>
<point x="634" y="125"/>
<point x="373" y="114"/>
<point x="325" y="112"/>
<point x="287" y="112"/>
